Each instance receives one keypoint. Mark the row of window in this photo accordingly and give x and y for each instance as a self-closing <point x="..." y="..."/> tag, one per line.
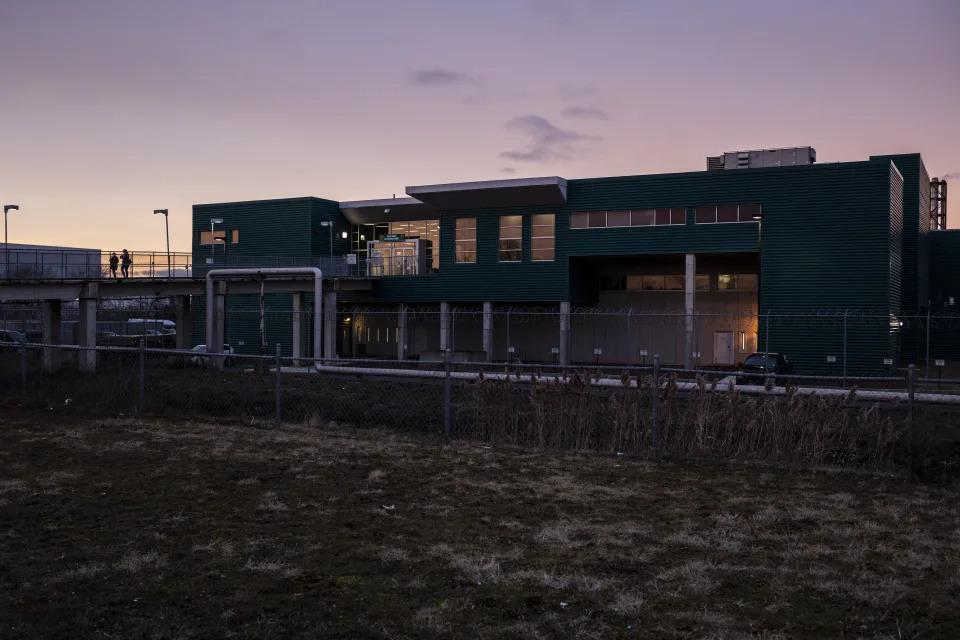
<point x="664" y="216"/>
<point x="219" y="235"/>
<point x="705" y="282"/>
<point x="510" y="243"/>
<point x="628" y="218"/>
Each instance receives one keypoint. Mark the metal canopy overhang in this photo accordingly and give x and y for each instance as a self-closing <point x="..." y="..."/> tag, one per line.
<point x="493" y="193"/>
<point x="387" y="210"/>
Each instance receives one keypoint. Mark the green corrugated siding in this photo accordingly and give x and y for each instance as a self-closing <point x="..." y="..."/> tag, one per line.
<point x="944" y="269"/>
<point x="323" y="211"/>
<point x="266" y="228"/>
<point x="916" y="224"/>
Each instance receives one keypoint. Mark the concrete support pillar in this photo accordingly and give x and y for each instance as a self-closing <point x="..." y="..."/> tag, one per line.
<point x="402" y="337"/>
<point x="488" y="330"/>
<point x="183" y="320"/>
<point x="299" y="317"/>
<point x="444" y="326"/>
<point x="51" y="334"/>
<point x="564" y="358"/>
<point x="330" y="325"/>
<point x="689" y="306"/>
<point x="87" y="328"/>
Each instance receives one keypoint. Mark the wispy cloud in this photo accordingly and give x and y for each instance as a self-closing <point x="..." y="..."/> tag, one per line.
<point x="547" y="142"/>
<point x="442" y="78"/>
<point x="953" y="175"/>
<point x="509" y="170"/>
<point x="590" y="113"/>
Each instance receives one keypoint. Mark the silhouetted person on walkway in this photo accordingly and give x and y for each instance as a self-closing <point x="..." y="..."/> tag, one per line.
<point x="114" y="261"/>
<point x="125" y="262"/>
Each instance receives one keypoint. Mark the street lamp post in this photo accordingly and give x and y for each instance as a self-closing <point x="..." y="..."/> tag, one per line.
<point x="213" y="221"/>
<point x="6" y="248"/>
<point x="166" y="219"/>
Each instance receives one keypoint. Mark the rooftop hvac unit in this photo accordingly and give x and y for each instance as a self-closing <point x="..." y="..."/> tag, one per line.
<point x="786" y="157"/>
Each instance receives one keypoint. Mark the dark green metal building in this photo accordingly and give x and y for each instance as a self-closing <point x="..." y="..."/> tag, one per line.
<point x="847" y="244"/>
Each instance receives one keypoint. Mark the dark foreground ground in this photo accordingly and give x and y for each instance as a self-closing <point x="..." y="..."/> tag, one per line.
<point x="125" y="528"/>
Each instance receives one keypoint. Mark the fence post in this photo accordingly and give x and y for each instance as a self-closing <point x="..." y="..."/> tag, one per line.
<point x="766" y="328"/>
<point x="911" y="388"/>
<point x="926" y="367"/>
<point x="655" y="411"/>
<point x="23" y="372"/>
<point x="277" y="393"/>
<point x="446" y="395"/>
<point x="143" y="368"/>
<point x="845" y="312"/>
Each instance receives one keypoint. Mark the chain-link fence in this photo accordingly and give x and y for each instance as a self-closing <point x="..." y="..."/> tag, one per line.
<point x="880" y="422"/>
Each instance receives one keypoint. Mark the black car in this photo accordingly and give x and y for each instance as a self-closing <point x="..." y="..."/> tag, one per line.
<point x="762" y="364"/>
<point x="11" y="337"/>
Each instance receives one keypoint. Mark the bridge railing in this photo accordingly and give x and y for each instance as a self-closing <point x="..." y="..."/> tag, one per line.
<point x="91" y="264"/>
<point x="94" y="264"/>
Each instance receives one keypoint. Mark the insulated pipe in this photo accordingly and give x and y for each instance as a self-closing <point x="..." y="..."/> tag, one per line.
<point x="215" y="274"/>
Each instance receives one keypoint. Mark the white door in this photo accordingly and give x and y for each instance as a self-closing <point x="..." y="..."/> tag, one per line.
<point x="723" y="347"/>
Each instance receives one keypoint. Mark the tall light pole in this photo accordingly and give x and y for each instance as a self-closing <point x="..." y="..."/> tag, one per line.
<point x="213" y="221"/>
<point x="6" y="248"/>
<point x="166" y="219"/>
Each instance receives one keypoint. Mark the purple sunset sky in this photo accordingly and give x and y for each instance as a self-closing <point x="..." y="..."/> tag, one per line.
<point x="114" y="108"/>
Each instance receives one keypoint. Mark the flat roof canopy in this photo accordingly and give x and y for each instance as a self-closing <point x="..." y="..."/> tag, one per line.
<point x="516" y="192"/>
<point x="387" y="210"/>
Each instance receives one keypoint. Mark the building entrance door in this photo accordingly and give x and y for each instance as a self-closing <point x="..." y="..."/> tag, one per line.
<point x="723" y="347"/>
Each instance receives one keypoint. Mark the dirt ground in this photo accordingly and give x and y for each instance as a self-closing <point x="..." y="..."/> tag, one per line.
<point x="126" y="528"/>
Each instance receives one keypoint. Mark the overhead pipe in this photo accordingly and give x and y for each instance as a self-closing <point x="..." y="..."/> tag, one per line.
<point x="223" y="274"/>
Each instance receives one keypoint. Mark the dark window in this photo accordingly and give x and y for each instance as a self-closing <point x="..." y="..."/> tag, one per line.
<point x="579" y="220"/>
<point x="748" y="212"/>
<point x="598" y="219"/>
<point x="663" y="216"/>
<point x="706" y="215"/>
<point x="642" y="217"/>
<point x="618" y="218"/>
<point x="678" y="215"/>
<point x="727" y="213"/>
<point x="703" y="282"/>
<point x="634" y="283"/>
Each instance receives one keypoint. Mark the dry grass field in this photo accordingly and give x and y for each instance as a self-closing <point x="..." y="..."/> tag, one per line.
<point x="124" y="528"/>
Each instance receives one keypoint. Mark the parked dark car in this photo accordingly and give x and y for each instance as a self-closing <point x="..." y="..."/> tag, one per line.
<point x="9" y="336"/>
<point x="760" y="364"/>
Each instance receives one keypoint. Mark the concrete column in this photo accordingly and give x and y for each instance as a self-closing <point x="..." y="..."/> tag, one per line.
<point x="51" y="334"/>
<point x="564" y="333"/>
<point x="329" y="325"/>
<point x="488" y="330"/>
<point x="183" y="321"/>
<point x="299" y="298"/>
<point x="402" y="337"/>
<point x="444" y="326"/>
<point x="217" y="337"/>
<point x="689" y="305"/>
<point x="87" y="328"/>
